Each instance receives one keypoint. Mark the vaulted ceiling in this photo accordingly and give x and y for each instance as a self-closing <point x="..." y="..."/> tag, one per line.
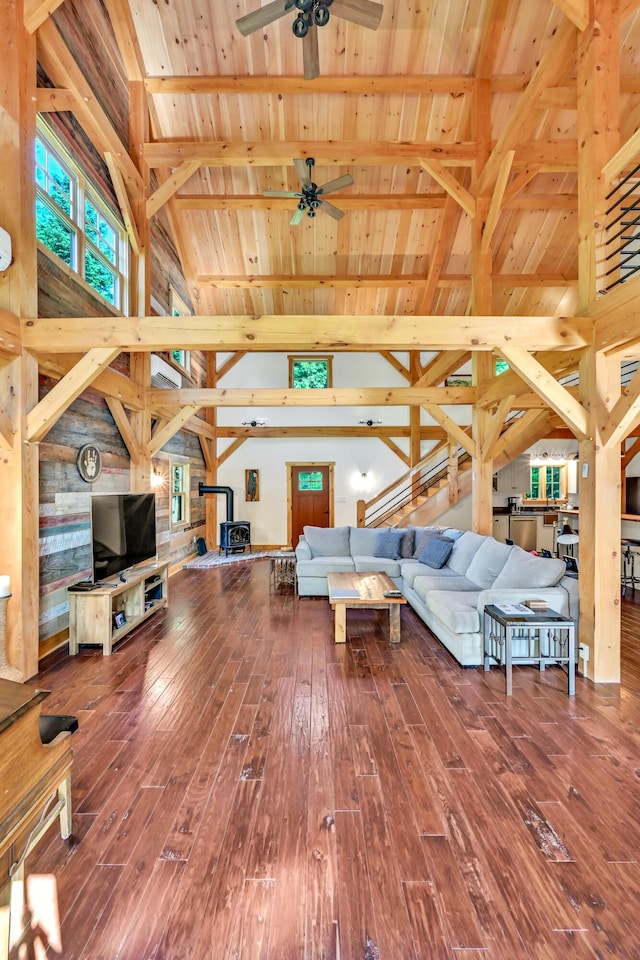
<point x="414" y="111"/>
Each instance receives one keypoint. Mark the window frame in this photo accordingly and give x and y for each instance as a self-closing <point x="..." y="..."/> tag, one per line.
<point x="183" y="494"/>
<point x="178" y="308"/>
<point x="542" y="482"/>
<point x="326" y="359"/>
<point x="77" y="221"/>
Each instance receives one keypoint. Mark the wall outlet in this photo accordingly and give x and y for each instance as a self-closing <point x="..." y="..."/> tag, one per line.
<point x="583" y="650"/>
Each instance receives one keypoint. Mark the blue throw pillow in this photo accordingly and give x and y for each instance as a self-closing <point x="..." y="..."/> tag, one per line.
<point x="436" y="552"/>
<point x="388" y="544"/>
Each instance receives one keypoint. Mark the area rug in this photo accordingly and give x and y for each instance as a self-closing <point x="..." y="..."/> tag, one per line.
<point x="213" y="559"/>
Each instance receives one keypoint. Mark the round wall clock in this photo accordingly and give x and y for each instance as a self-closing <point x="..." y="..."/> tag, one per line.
<point x="89" y="462"/>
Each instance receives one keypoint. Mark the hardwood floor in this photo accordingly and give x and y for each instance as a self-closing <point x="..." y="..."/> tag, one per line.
<point x="244" y="787"/>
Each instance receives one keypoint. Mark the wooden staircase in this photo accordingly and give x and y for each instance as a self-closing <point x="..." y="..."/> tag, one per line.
<point x="425" y="491"/>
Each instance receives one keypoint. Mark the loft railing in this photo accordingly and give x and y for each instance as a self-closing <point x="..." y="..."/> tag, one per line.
<point x="622" y="246"/>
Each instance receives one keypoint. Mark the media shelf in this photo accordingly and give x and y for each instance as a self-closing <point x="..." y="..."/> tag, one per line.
<point x="94" y="616"/>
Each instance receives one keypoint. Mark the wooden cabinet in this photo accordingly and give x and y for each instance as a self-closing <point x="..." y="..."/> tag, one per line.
<point x="105" y="615"/>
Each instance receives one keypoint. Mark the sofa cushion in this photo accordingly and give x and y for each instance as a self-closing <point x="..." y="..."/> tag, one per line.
<point x="457" y="611"/>
<point x="377" y="565"/>
<point x="421" y="537"/>
<point x="412" y="569"/>
<point x="436" y="552"/>
<point x="321" y="566"/>
<point x="423" y="585"/>
<point x="408" y="543"/>
<point x="328" y="541"/>
<point x="464" y="550"/>
<point x="488" y="561"/>
<point x="452" y="533"/>
<point x="524" y="570"/>
<point x="388" y="543"/>
<point x="362" y="541"/>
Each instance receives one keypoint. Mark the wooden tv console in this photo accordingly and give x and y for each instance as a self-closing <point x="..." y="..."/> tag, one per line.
<point x="92" y="614"/>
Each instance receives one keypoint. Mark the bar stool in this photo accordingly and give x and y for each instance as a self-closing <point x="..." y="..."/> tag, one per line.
<point x="629" y="578"/>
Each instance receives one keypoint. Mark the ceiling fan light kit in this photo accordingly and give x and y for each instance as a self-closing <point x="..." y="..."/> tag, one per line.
<point x="310" y="14"/>
<point x="310" y="197"/>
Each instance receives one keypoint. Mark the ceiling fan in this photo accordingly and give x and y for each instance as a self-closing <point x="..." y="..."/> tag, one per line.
<point x="310" y="14"/>
<point x="311" y="196"/>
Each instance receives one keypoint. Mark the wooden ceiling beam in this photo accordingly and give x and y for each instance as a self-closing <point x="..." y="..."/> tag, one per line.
<point x="307" y="332"/>
<point x="329" y="397"/>
<point x="576" y="10"/>
<point x="548" y="388"/>
<point x="61" y="396"/>
<point x="557" y="60"/>
<point x="37" y="11"/>
<point x="377" y="281"/>
<point x="426" y="432"/>
<point x="442" y="367"/>
<point x="54" y="100"/>
<point x="166" y="431"/>
<point x="564" y="95"/>
<point x="395" y="201"/>
<point x="552" y="154"/>
<point x="453" y="187"/>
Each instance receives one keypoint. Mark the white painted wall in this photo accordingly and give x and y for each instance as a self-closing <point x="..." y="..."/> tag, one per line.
<point x="352" y="457"/>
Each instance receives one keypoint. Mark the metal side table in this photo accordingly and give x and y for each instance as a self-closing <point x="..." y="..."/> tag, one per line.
<point x="282" y="569"/>
<point x="537" y="638"/>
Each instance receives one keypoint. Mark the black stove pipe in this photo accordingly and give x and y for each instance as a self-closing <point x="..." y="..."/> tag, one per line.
<point x="204" y="488"/>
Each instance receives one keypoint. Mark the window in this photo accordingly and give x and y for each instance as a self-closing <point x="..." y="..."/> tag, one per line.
<point x="74" y="223"/>
<point x="179" y="493"/>
<point x="309" y="372"/>
<point x="180" y="309"/>
<point x="548" y="483"/>
<point x="310" y="480"/>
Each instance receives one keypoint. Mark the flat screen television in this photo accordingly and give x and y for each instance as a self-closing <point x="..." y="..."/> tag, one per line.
<point x="123" y="532"/>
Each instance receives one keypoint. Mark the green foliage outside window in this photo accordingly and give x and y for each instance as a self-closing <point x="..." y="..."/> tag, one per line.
<point x="71" y="224"/>
<point x="310" y="374"/>
<point x="501" y="366"/>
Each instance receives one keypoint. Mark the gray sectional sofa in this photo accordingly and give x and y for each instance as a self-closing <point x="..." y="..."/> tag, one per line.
<point x="450" y="598"/>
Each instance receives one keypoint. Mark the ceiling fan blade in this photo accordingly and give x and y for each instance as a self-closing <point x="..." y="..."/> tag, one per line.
<point x="331" y="210"/>
<point x="345" y="181"/>
<point x="302" y="170"/>
<point x="297" y="217"/>
<point x="262" y="16"/>
<point x="366" y="13"/>
<point x="310" y="56"/>
<point x="280" y="193"/>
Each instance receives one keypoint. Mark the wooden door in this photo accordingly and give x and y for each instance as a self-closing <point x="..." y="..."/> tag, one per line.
<point x="311" y="497"/>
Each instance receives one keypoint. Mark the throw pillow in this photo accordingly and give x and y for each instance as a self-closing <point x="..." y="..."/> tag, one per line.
<point x="436" y="553"/>
<point x="408" y="544"/>
<point x="422" y="536"/>
<point x="388" y="544"/>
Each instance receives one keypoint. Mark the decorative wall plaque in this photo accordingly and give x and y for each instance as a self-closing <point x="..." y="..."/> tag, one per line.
<point x="89" y="462"/>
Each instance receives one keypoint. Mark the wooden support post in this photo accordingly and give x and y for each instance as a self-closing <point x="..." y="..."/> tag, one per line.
<point x="599" y="481"/>
<point x="18" y="294"/>
<point x="140" y="472"/>
<point x="211" y="475"/>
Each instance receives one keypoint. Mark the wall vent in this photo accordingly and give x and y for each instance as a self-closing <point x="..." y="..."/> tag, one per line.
<point x="163" y="374"/>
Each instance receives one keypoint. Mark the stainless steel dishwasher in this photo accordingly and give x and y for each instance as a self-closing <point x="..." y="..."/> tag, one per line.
<point x="523" y="531"/>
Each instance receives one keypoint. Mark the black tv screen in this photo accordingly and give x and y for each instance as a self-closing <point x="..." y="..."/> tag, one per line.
<point x="123" y="531"/>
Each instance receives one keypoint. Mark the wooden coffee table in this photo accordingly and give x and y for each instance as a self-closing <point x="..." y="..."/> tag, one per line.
<point x="350" y="590"/>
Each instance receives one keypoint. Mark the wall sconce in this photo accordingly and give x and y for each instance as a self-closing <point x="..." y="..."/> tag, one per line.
<point x="369" y="423"/>
<point x="156" y="478"/>
<point x="254" y="423"/>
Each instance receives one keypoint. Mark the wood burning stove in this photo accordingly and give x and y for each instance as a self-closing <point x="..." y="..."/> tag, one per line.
<point x="235" y="535"/>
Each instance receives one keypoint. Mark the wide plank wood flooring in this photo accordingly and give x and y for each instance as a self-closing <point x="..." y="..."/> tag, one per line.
<point x="244" y="788"/>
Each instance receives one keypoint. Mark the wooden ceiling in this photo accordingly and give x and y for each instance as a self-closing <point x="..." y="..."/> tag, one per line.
<point x="405" y="110"/>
